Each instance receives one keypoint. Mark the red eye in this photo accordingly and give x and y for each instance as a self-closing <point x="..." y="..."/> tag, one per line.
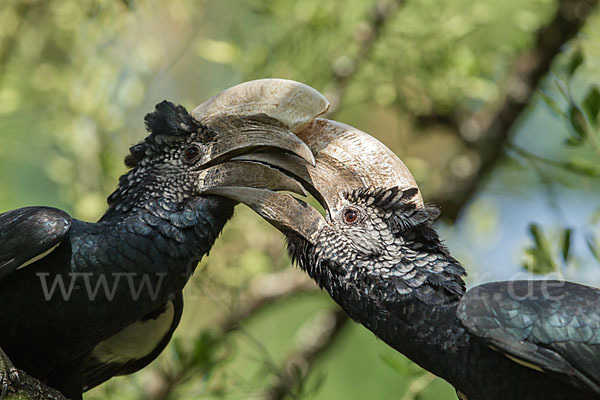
<point x="191" y="154"/>
<point x="350" y="215"/>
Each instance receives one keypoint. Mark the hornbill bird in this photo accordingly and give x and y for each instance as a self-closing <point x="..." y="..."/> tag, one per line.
<point x="377" y="254"/>
<point x="82" y="302"/>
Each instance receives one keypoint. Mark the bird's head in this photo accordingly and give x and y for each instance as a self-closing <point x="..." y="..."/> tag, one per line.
<point x="377" y="235"/>
<point x="188" y="153"/>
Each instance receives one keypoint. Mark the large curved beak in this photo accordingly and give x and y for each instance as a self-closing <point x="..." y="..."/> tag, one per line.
<point x="261" y="117"/>
<point x="346" y="158"/>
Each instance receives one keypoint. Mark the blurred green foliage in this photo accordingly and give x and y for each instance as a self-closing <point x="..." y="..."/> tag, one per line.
<point x="77" y="77"/>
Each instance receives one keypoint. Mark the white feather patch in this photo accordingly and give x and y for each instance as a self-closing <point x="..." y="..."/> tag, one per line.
<point x="135" y="341"/>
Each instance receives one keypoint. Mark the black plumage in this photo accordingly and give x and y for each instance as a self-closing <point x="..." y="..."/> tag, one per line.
<point x="82" y="302"/>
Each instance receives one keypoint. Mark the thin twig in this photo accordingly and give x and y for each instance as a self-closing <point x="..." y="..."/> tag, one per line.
<point x="324" y="330"/>
<point x="22" y="9"/>
<point x="417" y="386"/>
<point x="262" y="291"/>
<point x="531" y="156"/>
<point x="381" y="13"/>
<point x="590" y="169"/>
<point x="266" y="290"/>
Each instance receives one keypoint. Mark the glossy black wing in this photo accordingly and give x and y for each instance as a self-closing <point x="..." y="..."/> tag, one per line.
<point x="551" y="326"/>
<point x="28" y="234"/>
<point x="134" y="347"/>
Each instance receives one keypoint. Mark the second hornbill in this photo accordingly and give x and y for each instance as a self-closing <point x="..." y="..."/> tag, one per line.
<point x="81" y="302"/>
<point x="377" y="254"/>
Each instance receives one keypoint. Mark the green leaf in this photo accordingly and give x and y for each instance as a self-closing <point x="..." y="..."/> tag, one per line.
<point x="583" y="168"/>
<point x="539" y="258"/>
<point x="179" y="354"/>
<point x="400" y="364"/>
<point x="577" y="121"/>
<point x="591" y="104"/>
<point x="130" y="4"/>
<point x="205" y="346"/>
<point x="566" y="243"/>
<point x="573" y="141"/>
<point x="536" y="233"/>
<point x="575" y="62"/>
<point x="316" y="386"/>
<point x="595" y="217"/>
<point x="562" y="88"/>
<point x="593" y="246"/>
<point x="550" y="102"/>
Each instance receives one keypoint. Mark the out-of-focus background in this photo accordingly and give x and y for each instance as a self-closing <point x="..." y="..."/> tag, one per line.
<point x="493" y="105"/>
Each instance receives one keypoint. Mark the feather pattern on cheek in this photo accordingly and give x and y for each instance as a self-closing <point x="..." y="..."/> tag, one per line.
<point x="364" y="239"/>
<point x="379" y="217"/>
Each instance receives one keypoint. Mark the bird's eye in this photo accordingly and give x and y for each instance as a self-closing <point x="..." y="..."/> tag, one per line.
<point x="350" y="215"/>
<point x="191" y="154"/>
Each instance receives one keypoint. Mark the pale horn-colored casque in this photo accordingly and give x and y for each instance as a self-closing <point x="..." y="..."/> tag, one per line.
<point x="292" y="103"/>
<point x="346" y="159"/>
<point x="350" y="159"/>
<point x="261" y="115"/>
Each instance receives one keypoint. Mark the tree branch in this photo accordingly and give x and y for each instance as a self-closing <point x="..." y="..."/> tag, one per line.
<point x="417" y="386"/>
<point x="29" y="388"/>
<point x="263" y="291"/>
<point x="7" y="49"/>
<point x="324" y="331"/>
<point x="381" y="13"/>
<point x="32" y="389"/>
<point x="488" y="131"/>
<point x="266" y="290"/>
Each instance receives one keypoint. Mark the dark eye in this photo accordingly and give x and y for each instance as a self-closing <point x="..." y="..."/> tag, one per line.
<point x="191" y="154"/>
<point x="350" y="215"/>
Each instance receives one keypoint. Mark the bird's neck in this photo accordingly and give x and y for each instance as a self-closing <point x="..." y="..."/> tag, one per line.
<point x="419" y="321"/>
<point x="429" y="335"/>
<point x="183" y="233"/>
